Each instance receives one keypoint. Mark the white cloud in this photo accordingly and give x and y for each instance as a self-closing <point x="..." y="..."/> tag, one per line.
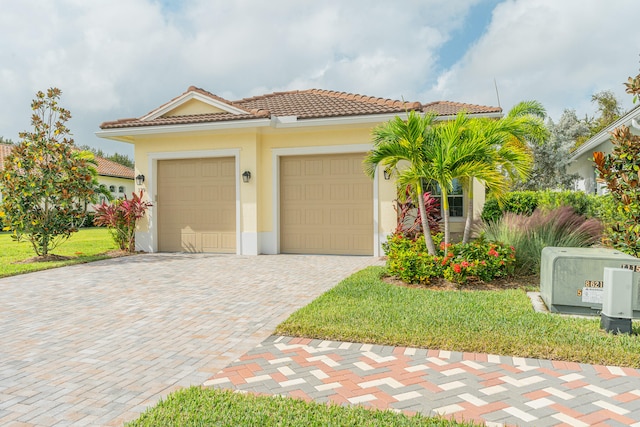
<point x="123" y="58"/>
<point x="558" y="52"/>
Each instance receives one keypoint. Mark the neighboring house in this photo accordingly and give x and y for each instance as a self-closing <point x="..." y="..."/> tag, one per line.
<point x="582" y="158"/>
<point x="277" y="173"/>
<point x="114" y="176"/>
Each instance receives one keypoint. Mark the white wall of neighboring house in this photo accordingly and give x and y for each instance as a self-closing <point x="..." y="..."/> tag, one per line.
<point x="582" y="159"/>
<point x="120" y="187"/>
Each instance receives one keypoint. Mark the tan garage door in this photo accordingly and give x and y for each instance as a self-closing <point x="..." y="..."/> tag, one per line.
<point x="326" y="205"/>
<point x="197" y="205"/>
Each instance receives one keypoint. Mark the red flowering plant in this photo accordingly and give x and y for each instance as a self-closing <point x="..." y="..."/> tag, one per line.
<point x="480" y="260"/>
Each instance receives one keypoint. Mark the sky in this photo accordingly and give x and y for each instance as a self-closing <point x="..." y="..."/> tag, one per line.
<point x="115" y="59"/>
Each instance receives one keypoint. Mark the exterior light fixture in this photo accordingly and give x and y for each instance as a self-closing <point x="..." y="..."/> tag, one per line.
<point x="246" y="176"/>
<point x="140" y="179"/>
<point x="387" y="174"/>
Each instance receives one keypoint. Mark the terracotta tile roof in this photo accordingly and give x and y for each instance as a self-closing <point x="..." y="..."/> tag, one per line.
<point x="106" y="167"/>
<point x="303" y="104"/>
<point x="448" y="108"/>
<point x="316" y="103"/>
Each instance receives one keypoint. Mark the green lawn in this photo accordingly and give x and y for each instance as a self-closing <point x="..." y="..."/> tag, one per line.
<point x="88" y="244"/>
<point x="207" y="407"/>
<point x="363" y="308"/>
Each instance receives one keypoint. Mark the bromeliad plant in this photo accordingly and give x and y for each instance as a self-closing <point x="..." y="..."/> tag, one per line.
<point x="121" y="217"/>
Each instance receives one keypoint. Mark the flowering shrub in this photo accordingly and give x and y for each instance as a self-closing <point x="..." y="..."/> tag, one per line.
<point x="480" y="260"/>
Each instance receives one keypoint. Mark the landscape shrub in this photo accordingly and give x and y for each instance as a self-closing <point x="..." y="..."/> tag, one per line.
<point x="526" y="202"/>
<point x="121" y="217"/>
<point x="529" y="234"/>
<point x="520" y="202"/>
<point x="480" y="260"/>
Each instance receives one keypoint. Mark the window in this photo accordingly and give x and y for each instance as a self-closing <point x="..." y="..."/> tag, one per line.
<point x="456" y="204"/>
<point x="112" y="188"/>
<point x="121" y="189"/>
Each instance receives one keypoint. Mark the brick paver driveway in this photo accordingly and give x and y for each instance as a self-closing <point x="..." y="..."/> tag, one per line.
<point x="96" y="344"/>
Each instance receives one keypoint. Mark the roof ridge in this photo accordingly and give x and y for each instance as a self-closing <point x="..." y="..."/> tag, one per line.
<point x="365" y="98"/>
<point x="459" y="104"/>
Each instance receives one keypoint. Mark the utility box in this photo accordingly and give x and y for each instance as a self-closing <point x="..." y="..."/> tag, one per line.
<point x="617" y="309"/>
<point x="572" y="279"/>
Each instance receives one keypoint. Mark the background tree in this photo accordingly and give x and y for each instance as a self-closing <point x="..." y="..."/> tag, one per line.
<point x="47" y="183"/>
<point x="122" y="159"/>
<point x="609" y="110"/>
<point x="4" y="140"/>
<point x="620" y="170"/>
<point x="551" y="155"/>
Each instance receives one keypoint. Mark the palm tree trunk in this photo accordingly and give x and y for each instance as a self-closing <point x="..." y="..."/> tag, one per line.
<point x="445" y="215"/>
<point x="428" y="239"/>
<point x="469" y="221"/>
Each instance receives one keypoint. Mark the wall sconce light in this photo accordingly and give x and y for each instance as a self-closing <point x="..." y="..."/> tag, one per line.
<point x="387" y="174"/>
<point x="140" y="179"/>
<point x="246" y="176"/>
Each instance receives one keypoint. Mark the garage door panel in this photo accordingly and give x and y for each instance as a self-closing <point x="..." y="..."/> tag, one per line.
<point x="196" y="205"/>
<point x="313" y="167"/>
<point x="313" y="192"/>
<point x="328" y="207"/>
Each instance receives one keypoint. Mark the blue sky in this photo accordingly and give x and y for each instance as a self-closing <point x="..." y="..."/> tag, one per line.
<point x="123" y="58"/>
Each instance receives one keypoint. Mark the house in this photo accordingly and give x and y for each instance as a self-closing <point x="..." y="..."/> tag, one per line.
<point x="114" y="176"/>
<point x="276" y="173"/>
<point x="582" y="158"/>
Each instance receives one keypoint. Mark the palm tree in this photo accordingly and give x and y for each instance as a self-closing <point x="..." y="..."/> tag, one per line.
<point x="507" y="150"/>
<point x="397" y="141"/>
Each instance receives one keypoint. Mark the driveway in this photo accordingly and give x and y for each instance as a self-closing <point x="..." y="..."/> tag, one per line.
<point x="97" y="344"/>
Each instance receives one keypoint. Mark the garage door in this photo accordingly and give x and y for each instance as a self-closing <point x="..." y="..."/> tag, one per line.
<point x="197" y="205"/>
<point x="326" y="205"/>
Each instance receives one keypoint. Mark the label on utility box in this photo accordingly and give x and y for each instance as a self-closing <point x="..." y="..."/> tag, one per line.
<point x="592" y="295"/>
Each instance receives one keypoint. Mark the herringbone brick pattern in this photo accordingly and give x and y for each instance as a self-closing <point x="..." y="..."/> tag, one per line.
<point x="494" y="389"/>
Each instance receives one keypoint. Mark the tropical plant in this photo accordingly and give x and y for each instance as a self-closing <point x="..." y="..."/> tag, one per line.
<point x="121" y="216"/>
<point x="399" y="141"/>
<point x="409" y="221"/>
<point x="47" y="183"/>
<point x="620" y="170"/>
<point x="530" y="234"/>
<point x="508" y="140"/>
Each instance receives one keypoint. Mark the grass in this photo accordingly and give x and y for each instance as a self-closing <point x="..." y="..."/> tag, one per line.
<point x="363" y="308"/>
<point x="88" y="244"/>
<point x="198" y="406"/>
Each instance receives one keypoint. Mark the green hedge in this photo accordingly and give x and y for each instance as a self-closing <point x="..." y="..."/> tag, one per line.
<point x="525" y="202"/>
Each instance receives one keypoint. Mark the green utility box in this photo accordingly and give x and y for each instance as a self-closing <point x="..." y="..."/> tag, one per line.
<point x="571" y="279"/>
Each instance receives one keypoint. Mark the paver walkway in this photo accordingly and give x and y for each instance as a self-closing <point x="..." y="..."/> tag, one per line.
<point x="498" y="390"/>
<point x="98" y="343"/>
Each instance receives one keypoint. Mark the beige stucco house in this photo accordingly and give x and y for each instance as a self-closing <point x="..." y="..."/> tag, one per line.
<point x="582" y="158"/>
<point x="277" y="173"/>
<point x="114" y="176"/>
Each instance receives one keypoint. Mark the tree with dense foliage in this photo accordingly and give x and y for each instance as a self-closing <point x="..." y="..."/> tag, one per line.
<point x="609" y="110"/>
<point x="621" y="171"/>
<point x="47" y="183"/>
<point x="551" y="155"/>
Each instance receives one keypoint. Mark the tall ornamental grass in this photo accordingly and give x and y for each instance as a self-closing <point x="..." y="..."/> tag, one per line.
<point x="529" y="234"/>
